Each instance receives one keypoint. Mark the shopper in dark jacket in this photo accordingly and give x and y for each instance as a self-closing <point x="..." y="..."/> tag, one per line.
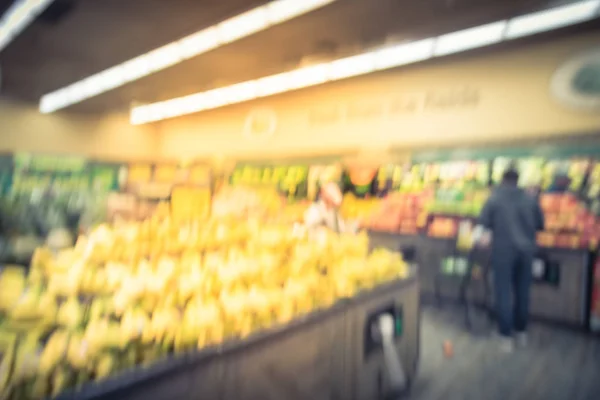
<point x="513" y="217"/>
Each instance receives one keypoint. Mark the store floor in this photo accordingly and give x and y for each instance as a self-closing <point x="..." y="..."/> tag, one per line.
<point x="558" y="364"/>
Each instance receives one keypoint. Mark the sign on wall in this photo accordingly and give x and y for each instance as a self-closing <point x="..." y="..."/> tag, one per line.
<point x="576" y="83"/>
<point x="397" y="105"/>
<point x="63" y="173"/>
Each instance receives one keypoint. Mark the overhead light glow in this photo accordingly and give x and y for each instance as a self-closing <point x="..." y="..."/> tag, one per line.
<point x="274" y="84"/>
<point x="352" y="66"/>
<point x="386" y="58"/>
<point x="284" y="10"/>
<point x="228" y="31"/>
<point x="243" y="25"/>
<point x="199" y="42"/>
<point x="403" y="54"/>
<point x="309" y="76"/>
<point x="555" y="18"/>
<point x="18" y="17"/>
<point x="468" y="39"/>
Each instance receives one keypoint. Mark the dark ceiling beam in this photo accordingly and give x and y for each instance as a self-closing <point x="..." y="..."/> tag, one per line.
<point x="4" y="5"/>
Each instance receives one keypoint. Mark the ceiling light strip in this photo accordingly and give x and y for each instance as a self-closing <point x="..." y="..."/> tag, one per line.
<point x="365" y="63"/>
<point x="555" y="18"/>
<point x="228" y="31"/>
<point x="18" y="17"/>
<point x="469" y="39"/>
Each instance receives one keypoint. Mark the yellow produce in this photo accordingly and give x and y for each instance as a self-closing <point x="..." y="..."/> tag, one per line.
<point x="26" y="307"/>
<point x="40" y="387"/>
<point x="105" y="365"/>
<point x="59" y="381"/>
<point x="141" y="290"/>
<point x="54" y="351"/>
<point x="27" y="357"/>
<point x="12" y="285"/>
<point x="77" y="351"/>
<point x="8" y="342"/>
<point x="70" y="314"/>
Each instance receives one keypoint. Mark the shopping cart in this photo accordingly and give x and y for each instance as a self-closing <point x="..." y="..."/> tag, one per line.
<point x="475" y="292"/>
<point x="468" y="284"/>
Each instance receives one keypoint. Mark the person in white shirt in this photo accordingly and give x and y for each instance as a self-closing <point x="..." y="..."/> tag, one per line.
<point x="325" y="212"/>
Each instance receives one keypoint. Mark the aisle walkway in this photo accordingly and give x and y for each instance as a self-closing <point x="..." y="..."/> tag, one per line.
<point x="558" y="365"/>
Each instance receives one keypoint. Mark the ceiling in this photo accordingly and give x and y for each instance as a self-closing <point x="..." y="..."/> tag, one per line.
<point x="78" y="38"/>
<point x="4" y="4"/>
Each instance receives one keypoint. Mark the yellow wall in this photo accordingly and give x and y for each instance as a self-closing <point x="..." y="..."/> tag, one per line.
<point x="23" y="128"/>
<point x="511" y="86"/>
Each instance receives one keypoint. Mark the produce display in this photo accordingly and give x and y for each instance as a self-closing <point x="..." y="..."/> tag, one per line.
<point x="400" y="212"/>
<point x="569" y="223"/>
<point x="354" y="208"/>
<point x="127" y="295"/>
<point x="291" y="181"/>
<point x="242" y="201"/>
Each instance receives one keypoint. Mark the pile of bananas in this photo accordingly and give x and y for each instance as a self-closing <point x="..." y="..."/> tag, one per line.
<point x="130" y="294"/>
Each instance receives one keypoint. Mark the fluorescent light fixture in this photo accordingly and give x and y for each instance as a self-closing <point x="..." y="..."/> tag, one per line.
<point x="274" y="84"/>
<point x="165" y="56"/>
<point x="352" y="66"/>
<point x="309" y="76"/>
<point x="199" y="42"/>
<point x="468" y="39"/>
<point x="18" y="17"/>
<point x="403" y="54"/>
<point x="241" y="92"/>
<point x="284" y="10"/>
<point x="243" y="25"/>
<point x="228" y="31"/>
<point x="555" y="18"/>
<point x="386" y="58"/>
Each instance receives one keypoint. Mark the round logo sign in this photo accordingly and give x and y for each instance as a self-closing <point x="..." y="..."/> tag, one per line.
<point x="576" y="83"/>
<point x="261" y="123"/>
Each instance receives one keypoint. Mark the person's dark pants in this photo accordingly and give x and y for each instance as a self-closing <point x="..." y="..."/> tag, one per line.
<point x="512" y="283"/>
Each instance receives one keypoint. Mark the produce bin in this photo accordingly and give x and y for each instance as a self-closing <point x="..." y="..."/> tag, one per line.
<point x="368" y="377"/>
<point x="319" y="356"/>
<point x="396" y="242"/>
<point x="560" y="295"/>
<point x="559" y="288"/>
<point x="305" y="360"/>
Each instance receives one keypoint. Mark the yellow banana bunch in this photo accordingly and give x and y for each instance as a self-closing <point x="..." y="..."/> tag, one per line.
<point x="12" y="285"/>
<point x="54" y="351"/>
<point x="163" y="323"/>
<point x="27" y="357"/>
<point x="133" y="324"/>
<point x="78" y="351"/>
<point x="8" y="341"/>
<point x="27" y="306"/>
<point x="105" y="366"/>
<point x="70" y="313"/>
<point x="59" y="381"/>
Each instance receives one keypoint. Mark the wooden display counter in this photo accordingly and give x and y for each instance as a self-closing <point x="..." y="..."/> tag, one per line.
<point x="559" y="292"/>
<point x="328" y="354"/>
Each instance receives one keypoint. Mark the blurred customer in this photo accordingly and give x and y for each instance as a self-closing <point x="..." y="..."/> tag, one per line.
<point x="513" y="217"/>
<point x="324" y="213"/>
